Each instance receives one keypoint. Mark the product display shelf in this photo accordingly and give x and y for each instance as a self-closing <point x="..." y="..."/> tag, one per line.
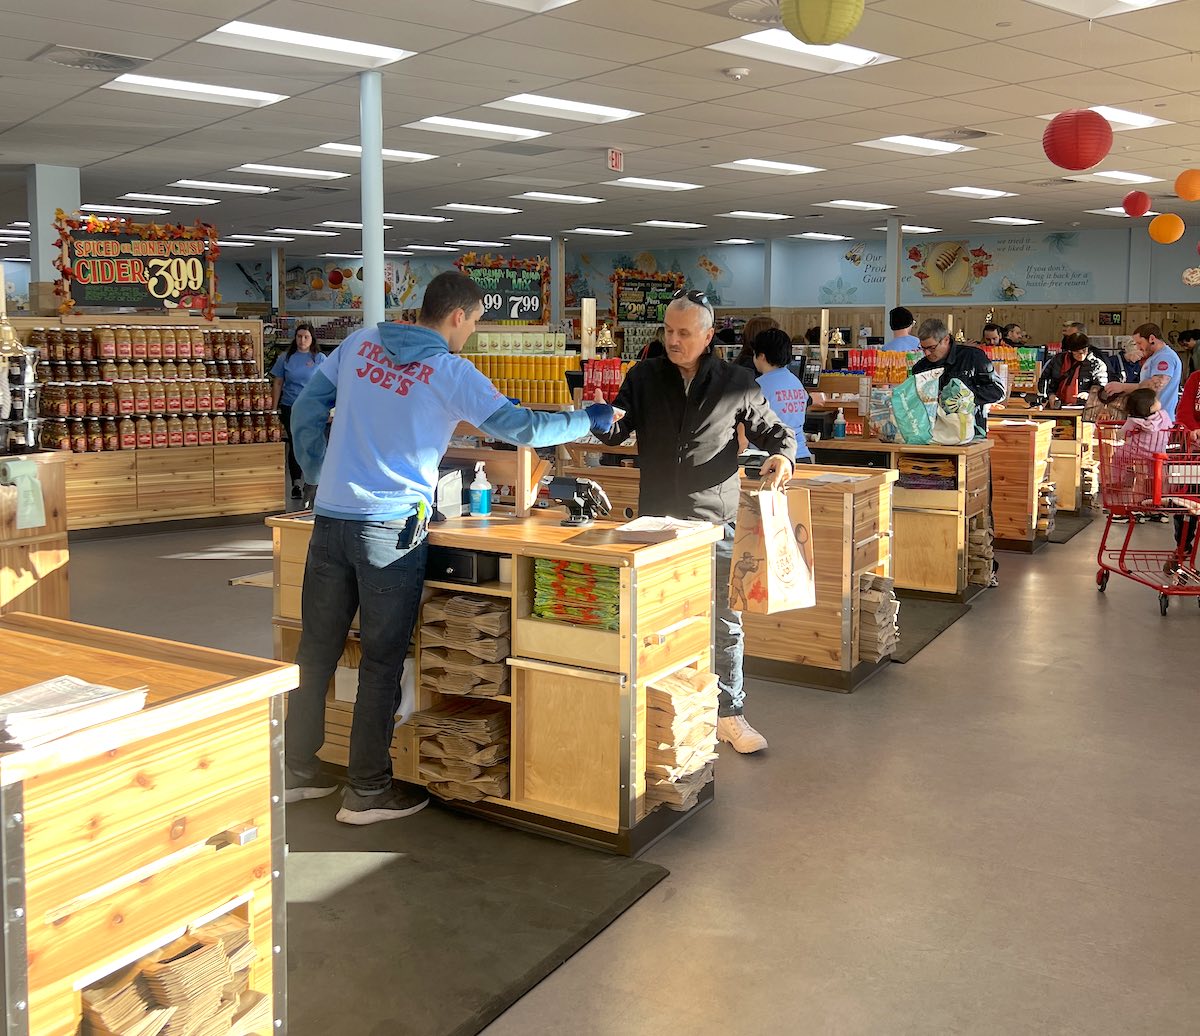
<point x="851" y="536"/>
<point x="33" y="562"/>
<point x="929" y="526"/>
<point x="1020" y="455"/>
<point x="521" y="469"/>
<point x="1072" y="449"/>
<point x="120" y="836"/>
<point x="578" y="757"/>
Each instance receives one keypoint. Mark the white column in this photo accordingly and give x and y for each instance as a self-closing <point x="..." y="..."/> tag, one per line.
<point x="370" y="111"/>
<point x="278" y="261"/>
<point x="893" y="259"/>
<point x="558" y="280"/>
<point x="47" y="187"/>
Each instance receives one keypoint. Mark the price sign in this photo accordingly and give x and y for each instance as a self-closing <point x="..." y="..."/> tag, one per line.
<point x="113" y="270"/>
<point x="509" y="294"/>
<point x="641" y="300"/>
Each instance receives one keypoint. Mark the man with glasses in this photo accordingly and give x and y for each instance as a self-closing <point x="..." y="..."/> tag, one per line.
<point x="685" y="408"/>
<point x="968" y="364"/>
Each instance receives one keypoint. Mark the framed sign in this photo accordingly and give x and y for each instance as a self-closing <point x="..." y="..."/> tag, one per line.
<point x="640" y="298"/>
<point x="513" y="289"/>
<point x="116" y="264"/>
<point x="1110" y="318"/>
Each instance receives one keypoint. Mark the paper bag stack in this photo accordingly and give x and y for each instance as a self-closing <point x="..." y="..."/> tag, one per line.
<point x="681" y="737"/>
<point x="464" y="747"/>
<point x="980" y="552"/>
<point x="878" y="614"/>
<point x="464" y="644"/>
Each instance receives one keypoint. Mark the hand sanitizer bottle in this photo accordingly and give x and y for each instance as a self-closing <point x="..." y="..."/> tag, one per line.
<point x="481" y="493"/>
<point x="839" y="425"/>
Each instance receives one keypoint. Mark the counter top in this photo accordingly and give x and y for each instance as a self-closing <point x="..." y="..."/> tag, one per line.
<point x="977" y="446"/>
<point x="1074" y="413"/>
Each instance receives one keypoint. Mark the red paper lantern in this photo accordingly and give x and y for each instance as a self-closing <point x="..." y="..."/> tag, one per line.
<point x="1136" y="203"/>
<point x="1077" y="139"/>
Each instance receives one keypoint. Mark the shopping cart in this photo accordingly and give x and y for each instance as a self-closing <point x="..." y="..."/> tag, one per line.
<point x="1134" y="484"/>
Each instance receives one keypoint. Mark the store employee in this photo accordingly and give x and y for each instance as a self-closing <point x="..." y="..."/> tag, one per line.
<point x="400" y="391"/>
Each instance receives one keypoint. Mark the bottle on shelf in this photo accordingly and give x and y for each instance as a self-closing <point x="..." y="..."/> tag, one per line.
<point x="839" y="425"/>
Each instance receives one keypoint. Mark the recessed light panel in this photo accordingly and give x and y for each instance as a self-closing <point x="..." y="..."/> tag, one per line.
<point x="914" y="145"/>
<point x="781" y="47"/>
<point x="236" y="244"/>
<point x="751" y="214"/>
<point x="178" y="199"/>
<point x="813" y="235"/>
<point x="343" y="225"/>
<point x="298" y="172"/>
<point x="670" y="224"/>
<point x="480" y="244"/>
<point x="495" y="210"/>
<point x="305" y="233"/>
<point x="914" y="229"/>
<point x="1008" y="221"/>
<point x="529" y="237"/>
<point x="471" y="128"/>
<point x="432" y="248"/>
<point x="558" y="108"/>
<point x="600" y="232"/>
<point x="187" y="91"/>
<point x="857" y="206"/>
<point x="1115" y="176"/>
<point x="19" y="223"/>
<point x="654" y="185"/>
<point x="1122" y="120"/>
<point x="217" y="185"/>
<point x="1100" y="8"/>
<point x="564" y="199"/>
<point x="1116" y="210"/>
<point x="535" y="6"/>
<point x="973" y="192"/>
<point x="268" y="39"/>
<point x="736" y="241"/>
<point x="409" y="217"/>
<point x="355" y="151"/>
<point x="132" y="210"/>
<point x="260" y="237"/>
<point x="760" y="165"/>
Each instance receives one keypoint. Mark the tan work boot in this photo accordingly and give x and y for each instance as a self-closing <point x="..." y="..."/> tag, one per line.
<point x="744" y="738"/>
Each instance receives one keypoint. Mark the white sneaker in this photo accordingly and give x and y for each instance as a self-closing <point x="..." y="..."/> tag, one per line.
<point x="737" y="732"/>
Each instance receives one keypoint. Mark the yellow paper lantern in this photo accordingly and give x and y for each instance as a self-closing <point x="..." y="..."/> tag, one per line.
<point x="821" y="22"/>
<point x="1187" y="185"/>
<point x="1167" y="228"/>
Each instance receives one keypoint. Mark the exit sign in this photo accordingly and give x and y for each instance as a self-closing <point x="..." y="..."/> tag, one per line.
<point x="616" y="160"/>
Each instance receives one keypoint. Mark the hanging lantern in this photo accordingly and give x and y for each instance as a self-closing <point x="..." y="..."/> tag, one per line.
<point x="1077" y="139"/>
<point x="821" y="22"/>
<point x="1136" y="203"/>
<point x="1187" y="185"/>
<point x="1167" y="228"/>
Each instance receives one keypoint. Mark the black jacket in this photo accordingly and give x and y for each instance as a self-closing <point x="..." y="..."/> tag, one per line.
<point x="1093" y="371"/>
<point x="973" y="368"/>
<point x="687" y="446"/>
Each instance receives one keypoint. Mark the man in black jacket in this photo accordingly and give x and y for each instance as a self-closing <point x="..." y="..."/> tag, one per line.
<point x="685" y="408"/>
<point x="967" y="363"/>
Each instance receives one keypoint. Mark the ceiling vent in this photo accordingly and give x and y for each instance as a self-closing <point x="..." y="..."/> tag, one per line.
<point x="1058" y="181"/>
<point x="318" y="188"/>
<point x="957" y="136"/>
<point x="90" y="60"/>
<point x="757" y="12"/>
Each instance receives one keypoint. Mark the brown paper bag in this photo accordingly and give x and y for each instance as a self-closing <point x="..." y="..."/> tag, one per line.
<point x="772" y="568"/>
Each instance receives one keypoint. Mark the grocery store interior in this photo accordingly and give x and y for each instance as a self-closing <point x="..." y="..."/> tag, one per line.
<point x="977" y="811"/>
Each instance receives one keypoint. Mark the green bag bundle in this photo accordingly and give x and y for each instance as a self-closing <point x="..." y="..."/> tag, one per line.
<point x="572" y="591"/>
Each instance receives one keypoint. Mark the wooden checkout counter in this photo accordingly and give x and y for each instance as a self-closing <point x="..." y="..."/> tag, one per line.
<point x="1072" y="449"/>
<point x="33" y="562"/>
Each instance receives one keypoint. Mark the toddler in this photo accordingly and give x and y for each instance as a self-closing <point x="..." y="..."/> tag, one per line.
<point x="1147" y="432"/>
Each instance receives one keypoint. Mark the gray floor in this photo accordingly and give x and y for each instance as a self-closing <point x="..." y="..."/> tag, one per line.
<point x="999" y="837"/>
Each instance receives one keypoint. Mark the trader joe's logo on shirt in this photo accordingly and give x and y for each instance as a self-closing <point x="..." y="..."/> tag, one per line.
<point x="379" y="370"/>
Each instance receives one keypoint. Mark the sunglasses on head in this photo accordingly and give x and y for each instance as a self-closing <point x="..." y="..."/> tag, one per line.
<point x="697" y="297"/>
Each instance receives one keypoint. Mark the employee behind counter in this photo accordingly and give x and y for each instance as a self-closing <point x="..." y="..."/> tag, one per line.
<point x="400" y="391"/>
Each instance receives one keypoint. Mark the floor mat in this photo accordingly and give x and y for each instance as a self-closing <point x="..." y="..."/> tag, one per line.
<point x="434" y="925"/>
<point x="921" y="622"/>
<point x="1068" y="526"/>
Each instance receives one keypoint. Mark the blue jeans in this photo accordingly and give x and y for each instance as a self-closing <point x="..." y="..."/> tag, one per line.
<point x="727" y="653"/>
<point x="354" y="566"/>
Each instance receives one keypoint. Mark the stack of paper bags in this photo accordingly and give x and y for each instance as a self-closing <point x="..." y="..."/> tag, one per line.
<point x="464" y="748"/>
<point x="681" y="737"/>
<point x="576" y="592"/>
<point x="878" y="614"/>
<point x="464" y="644"/>
<point x="122" y="1006"/>
<point x="192" y="975"/>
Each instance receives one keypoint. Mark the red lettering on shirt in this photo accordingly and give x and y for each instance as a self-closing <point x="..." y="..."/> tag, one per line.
<point x="425" y="374"/>
<point x="405" y="385"/>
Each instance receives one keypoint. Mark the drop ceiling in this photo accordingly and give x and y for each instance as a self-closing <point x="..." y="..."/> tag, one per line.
<point x="994" y="67"/>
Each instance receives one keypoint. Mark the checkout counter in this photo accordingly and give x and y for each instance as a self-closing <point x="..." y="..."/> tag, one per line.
<point x="1073" y="456"/>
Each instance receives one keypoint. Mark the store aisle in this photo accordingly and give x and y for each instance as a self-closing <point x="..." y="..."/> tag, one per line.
<point x="999" y="837"/>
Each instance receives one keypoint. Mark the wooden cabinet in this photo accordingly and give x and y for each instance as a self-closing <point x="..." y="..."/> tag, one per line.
<point x="117" y="837"/>
<point x="1072" y="450"/>
<point x="1020" y="458"/>
<point x="33" y="562"/>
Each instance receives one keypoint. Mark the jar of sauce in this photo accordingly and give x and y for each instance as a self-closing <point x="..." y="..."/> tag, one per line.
<point x="87" y="344"/>
<point x="139" y="344"/>
<point x="127" y="431"/>
<point x="141" y="397"/>
<point x="37" y="340"/>
<point x="158" y="397"/>
<point x="183" y="344"/>
<point x="160" y="437"/>
<point x="198" y="370"/>
<point x="91" y="398"/>
<point x="203" y="394"/>
<point x="217" y="394"/>
<point x="108" y="399"/>
<point x="235" y="432"/>
<point x="191" y="430"/>
<point x="55" y="402"/>
<point x="95" y="435"/>
<point x="196" y="337"/>
<point x="169" y="349"/>
<point x="259" y="423"/>
<point x="220" y="429"/>
<point x="169" y="370"/>
<point x="123" y="342"/>
<point x="71" y="343"/>
<point x="174" y="431"/>
<point x="187" y="396"/>
<point x="54" y="435"/>
<point x="140" y="370"/>
<point x="125" y="397"/>
<point x="144" y="432"/>
<point x="106" y="343"/>
<point x="108" y="370"/>
<point x="124" y="370"/>
<point x="78" y="436"/>
<point x="112" y="437"/>
<point x="76" y="400"/>
<point x="204" y="430"/>
<point x="174" y="396"/>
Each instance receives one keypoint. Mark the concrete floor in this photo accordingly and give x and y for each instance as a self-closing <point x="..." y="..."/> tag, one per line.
<point x="999" y="837"/>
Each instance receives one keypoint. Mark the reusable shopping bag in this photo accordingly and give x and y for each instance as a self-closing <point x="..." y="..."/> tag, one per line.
<point x="914" y="404"/>
<point x="954" y="422"/>
<point x="772" y="568"/>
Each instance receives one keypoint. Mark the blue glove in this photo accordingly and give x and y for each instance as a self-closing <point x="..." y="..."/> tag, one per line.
<point x="601" y="416"/>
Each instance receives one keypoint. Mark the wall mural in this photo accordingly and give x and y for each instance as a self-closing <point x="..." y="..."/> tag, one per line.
<point x="731" y="276"/>
<point x="16" y="286"/>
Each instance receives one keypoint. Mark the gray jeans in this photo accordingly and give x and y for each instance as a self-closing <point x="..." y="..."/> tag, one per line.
<point x="727" y="650"/>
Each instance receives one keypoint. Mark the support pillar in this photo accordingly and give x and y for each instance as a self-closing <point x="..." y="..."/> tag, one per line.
<point x="558" y="281"/>
<point x="893" y="261"/>
<point x="370" y="111"/>
<point x="47" y="187"/>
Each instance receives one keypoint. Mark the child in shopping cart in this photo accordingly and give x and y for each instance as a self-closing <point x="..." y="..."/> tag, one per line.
<point x="1146" y="431"/>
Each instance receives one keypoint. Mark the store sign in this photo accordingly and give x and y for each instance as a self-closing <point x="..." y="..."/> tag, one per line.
<point x="642" y="300"/>
<point x="510" y="294"/>
<point x="1110" y="318"/>
<point x="616" y="160"/>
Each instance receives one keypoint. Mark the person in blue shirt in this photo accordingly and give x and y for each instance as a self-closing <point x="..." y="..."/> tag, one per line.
<point x="1161" y="369"/>
<point x="400" y="392"/>
<point x="291" y="372"/>
<point x="901" y="321"/>
<point x="784" y="392"/>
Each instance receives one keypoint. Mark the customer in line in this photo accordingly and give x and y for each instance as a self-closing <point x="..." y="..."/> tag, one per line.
<point x="1131" y="363"/>
<point x="291" y="371"/>
<point x="1189" y="349"/>
<point x="1072" y="373"/>
<point x="753" y="327"/>
<point x="901" y="322"/>
<point x="784" y="392"/>
<point x="993" y="335"/>
<point x="1161" y="368"/>
<point x="685" y="408"/>
<point x="968" y="364"/>
<point x="400" y="391"/>
<point x="1014" y="335"/>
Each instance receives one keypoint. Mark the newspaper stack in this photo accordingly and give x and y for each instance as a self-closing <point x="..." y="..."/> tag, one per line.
<point x="464" y="747"/>
<point x="878" y="611"/>
<point x="54" y="708"/>
<point x="681" y="737"/>
<point x="464" y="644"/>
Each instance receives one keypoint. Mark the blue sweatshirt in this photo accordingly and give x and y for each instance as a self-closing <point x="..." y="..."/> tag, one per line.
<point x="399" y="394"/>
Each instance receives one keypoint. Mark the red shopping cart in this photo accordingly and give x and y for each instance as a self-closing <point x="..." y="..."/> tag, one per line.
<point x="1137" y="483"/>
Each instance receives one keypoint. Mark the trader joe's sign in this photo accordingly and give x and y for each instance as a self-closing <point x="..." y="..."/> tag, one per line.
<point x="112" y="264"/>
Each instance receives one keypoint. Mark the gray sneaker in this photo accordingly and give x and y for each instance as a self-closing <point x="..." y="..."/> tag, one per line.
<point x="400" y="800"/>
<point x="297" y="788"/>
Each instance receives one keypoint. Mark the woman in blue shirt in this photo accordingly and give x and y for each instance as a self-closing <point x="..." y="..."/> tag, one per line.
<point x="292" y="371"/>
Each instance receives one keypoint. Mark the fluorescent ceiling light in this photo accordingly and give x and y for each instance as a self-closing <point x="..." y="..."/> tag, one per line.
<point x="132" y="210"/>
<point x="565" y="199"/>
<point x="432" y="248"/>
<point x="470" y="128"/>
<point x="305" y="233"/>
<point x="268" y="39"/>
<point x="15" y="259"/>
<point x="736" y="241"/>
<point x="858" y="206"/>
<point x="654" y="185"/>
<point x="407" y="217"/>
<point x="177" y="199"/>
<point x="1122" y="120"/>
<point x="217" y="185"/>
<point x="1115" y="177"/>
<point x="341" y="255"/>
<point x="599" y="232"/>
<point x="496" y="210"/>
<point x="914" y="145"/>
<point x="289" y="170"/>
<point x="558" y="108"/>
<point x="397" y="253"/>
<point x="258" y="237"/>
<point x="781" y="47"/>
<point x="236" y="244"/>
<point x="342" y="225"/>
<point x="186" y="91"/>
<point x="480" y="244"/>
<point x="355" y="151"/>
<point x="973" y="192"/>
<point x="535" y="6"/>
<point x="761" y="165"/>
<point x="812" y="235"/>
<point x="19" y="223"/>
<point x="529" y="237"/>
<point x="750" y="214"/>
<point x="670" y="224"/>
<point x="1008" y="221"/>
<point x="1116" y="210"/>
<point x="912" y="229"/>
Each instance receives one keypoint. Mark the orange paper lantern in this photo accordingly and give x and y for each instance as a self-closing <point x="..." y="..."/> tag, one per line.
<point x="1136" y="203"/>
<point x="821" y="22"/>
<point x="1167" y="228"/>
<point x="1077" y="139"/>
<point x="1187" y="185"/>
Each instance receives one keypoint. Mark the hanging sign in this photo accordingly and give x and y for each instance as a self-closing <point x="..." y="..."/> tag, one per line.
<point x="642" y="297"/>
<point x="616" y="160"/>
<point x="513" y="289"/>
<point x="115" y="264"/>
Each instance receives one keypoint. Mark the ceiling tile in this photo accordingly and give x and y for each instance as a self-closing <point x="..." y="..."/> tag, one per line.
<point x="1166" y="73"/>
<point x="976" y="20"/>
<point x="564" y="37"/>
<point x="1008" y="63"/>
<point x="654" y="19"/>
<point x="331" y="20"/>
<point x="905" y="37"/>
<point x="1097" y="45"/>
<point x="1098" y="86"/>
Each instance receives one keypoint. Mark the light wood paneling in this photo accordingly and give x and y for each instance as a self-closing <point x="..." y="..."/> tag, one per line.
<point x="929" y="552"/>
<point x="33" y="562"/>
<point x="175" y="480"/>
<point x="1019" y="460"/>
<point x="101" y="486"/>
<point x="247" y="478"/>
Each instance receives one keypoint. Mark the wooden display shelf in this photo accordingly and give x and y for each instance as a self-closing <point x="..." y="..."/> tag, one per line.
<point x="33" y="562"/>
<point x="1072" y="449"/>
<point x="110" y="841"/>
<point x="1020" y="457"/>
<point x="491" y="589"/>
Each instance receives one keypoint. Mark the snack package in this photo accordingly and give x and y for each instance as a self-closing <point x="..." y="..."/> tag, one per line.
<point x="882" y="419"/>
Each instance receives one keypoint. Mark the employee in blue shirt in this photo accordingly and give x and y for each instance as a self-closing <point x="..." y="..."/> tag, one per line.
<point x="291" y="372"/>
<point x="901" y="321"/>
<point x="1161" y="370"/>
<point x="400" y="391"/>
